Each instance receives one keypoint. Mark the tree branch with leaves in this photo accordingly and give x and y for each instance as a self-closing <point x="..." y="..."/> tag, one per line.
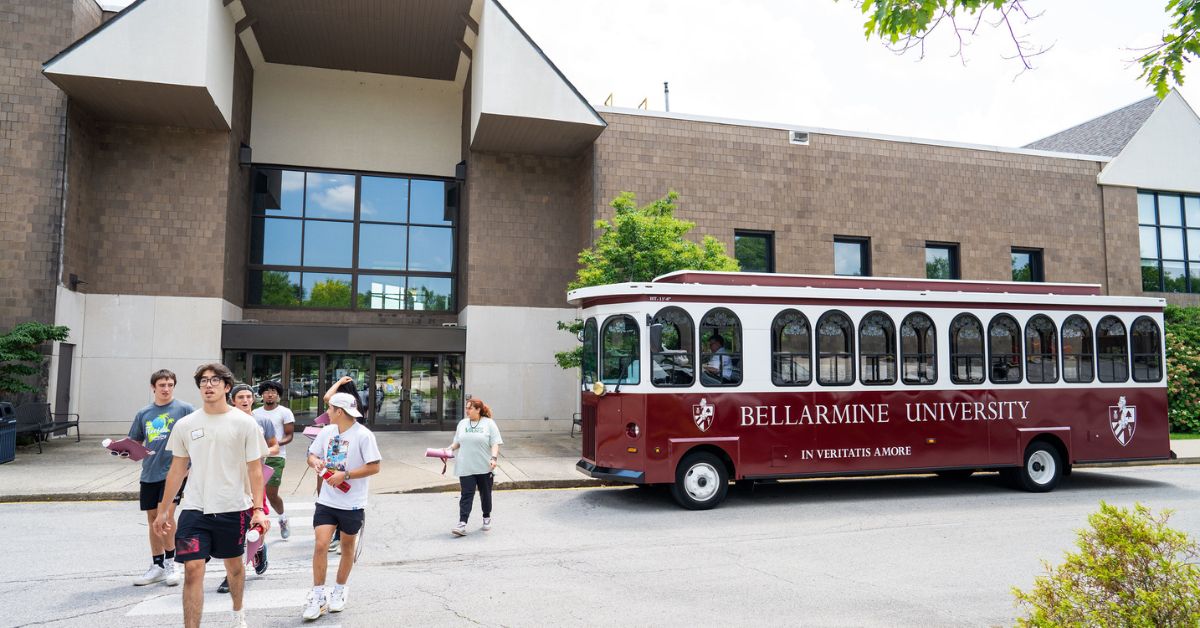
<point x="21" y="356"/>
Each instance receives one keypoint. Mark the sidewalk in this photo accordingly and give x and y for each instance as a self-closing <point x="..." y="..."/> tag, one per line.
<point x="70" y="471"/>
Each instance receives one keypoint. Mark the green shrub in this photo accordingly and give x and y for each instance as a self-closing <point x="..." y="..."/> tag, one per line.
<point x="1130" y="570"/>
<point x="1183" y="368"/>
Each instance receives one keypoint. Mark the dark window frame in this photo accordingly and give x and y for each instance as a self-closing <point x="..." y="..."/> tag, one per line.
<point x="1191" y="282"/>
<point x="637" y="355"/>
<point x="1157" y="355"/>
<point x="1037" y="262"/>
<point x="777" y="356"/>
<point x="1090" y="345"/>
<point x="863" y="356"/>
<point x="583" y="363"/>
<point x="1052" y="345"/>
<point x="1101" y="357"/>
<point x="689" y="356"/>
<point x="354" y="271"/>
<point x="952" y="249"/>
<point x="929" y="353"/>
<point x="956" y="356"/>
<point x="768" y="236"/>
<point x="1018" y="363"/>
<point x="736" y="364"/>
<point x="865" y="245"/>
<point x="849" y="333"/>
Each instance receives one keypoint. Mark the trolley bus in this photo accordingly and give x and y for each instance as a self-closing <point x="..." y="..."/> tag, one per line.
<point x="698" y="378"/>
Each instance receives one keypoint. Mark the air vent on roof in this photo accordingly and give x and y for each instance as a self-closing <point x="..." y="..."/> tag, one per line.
<point x="798" y="137"/>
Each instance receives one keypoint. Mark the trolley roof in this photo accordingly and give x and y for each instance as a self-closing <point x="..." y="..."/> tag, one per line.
<point x="691" y="285"/>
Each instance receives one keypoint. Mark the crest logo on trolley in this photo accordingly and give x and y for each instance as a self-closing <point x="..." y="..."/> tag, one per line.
<point x="703" y="414"/>
<point x="1122" y="419"/>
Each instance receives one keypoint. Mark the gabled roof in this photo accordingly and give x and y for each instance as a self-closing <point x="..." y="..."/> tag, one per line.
<point x="1105" y="135"/>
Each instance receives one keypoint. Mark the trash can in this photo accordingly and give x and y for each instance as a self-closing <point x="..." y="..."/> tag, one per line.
<point x="8" y="440"/>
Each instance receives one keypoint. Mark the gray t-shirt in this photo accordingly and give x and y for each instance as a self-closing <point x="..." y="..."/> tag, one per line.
<point x="267" y="427"/>
<point x="475" y="446"/>
<point x="152" y="426"/>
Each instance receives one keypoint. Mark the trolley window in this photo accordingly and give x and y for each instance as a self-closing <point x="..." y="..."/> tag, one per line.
<point x="619" y="351"/>
<point x="1078" y="354"/>
<point x="671" y="363"/>
<point x="587" y="361"/>
<point x="1041" y="347"/>
<point x="877" y="349"/>
<point x="835" y="349"/>
<point x="918" y="349"/>
<point x="1147" y="361"/>
<point x="966" y="350"/>
<point x="721" y="348"/>
<point x="791" y="349"/>
<point x="1112" y="352"/>
<point x="1004" y="350"/>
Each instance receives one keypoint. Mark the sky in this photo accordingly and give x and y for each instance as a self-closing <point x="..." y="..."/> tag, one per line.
<point x="807" y="63"/>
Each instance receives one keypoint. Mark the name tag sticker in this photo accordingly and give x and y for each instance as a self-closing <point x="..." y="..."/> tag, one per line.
<point x="198" y="434"/>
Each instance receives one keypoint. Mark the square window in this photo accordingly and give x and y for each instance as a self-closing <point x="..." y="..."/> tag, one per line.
<point x="851" y="257"/>
<point x="755" y="251"/>
<point x="326" y="290"/>
<point x="1151" y="278"/>
<point x="941" y="261"/>
<point x="276" y="288"/>
<point x="1027" y="265"/>
<point x="384" y="199"/>
<point x="380" y="292"/>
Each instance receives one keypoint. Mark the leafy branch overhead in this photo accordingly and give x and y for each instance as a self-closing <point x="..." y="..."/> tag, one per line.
<point x="905" y="24"/>
<point x="21" y="356"/>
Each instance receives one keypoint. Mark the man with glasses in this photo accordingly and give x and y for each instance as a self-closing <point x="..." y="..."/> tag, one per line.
<point x="151" y="427"/>
<point x="225" y="490"/>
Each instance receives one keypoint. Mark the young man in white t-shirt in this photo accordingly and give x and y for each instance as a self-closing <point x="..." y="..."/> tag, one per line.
<point x="225" y="489"/>
<point x="348" y="450"/>
<point x="285" y="424"/>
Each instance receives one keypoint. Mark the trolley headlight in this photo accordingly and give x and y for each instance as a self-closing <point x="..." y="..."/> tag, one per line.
<point x="632" y="430"/>
<point x="598" y="389"/>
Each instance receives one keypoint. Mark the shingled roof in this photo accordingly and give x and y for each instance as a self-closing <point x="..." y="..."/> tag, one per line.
<point x="1105" y="135"/>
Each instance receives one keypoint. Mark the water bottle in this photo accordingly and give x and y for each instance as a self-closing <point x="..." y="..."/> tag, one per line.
<point x="343" y="487"/>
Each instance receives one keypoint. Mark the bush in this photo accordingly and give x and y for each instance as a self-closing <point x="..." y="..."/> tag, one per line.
<point x="1183" y="368"/>
<point x="1130" y="570"/>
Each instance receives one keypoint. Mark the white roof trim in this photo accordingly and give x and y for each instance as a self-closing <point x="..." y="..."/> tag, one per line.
<point x="859" y="134"/>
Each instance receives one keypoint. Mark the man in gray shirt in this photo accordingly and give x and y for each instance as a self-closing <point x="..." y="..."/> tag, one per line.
<point x="152" y="426"/>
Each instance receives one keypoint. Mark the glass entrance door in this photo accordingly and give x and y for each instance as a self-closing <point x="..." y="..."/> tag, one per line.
<point x="390" y="373"/>
<point x="424" y="391"/>
<point x="408" y="392"/>
<point x="358" y="367"/>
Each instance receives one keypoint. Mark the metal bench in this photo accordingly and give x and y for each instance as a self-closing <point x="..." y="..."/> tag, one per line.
<point x="36" y="419"/>
<point x="576" y="422"/>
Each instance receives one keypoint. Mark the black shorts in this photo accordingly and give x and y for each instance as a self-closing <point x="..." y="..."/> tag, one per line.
<point x="347" y="521"/>
<point x="201" y="536"/>
<point x="152" y="494"/>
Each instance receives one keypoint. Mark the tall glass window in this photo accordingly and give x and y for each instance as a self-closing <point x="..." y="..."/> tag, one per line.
<point x="1169" y="236"/>
<point x="720" y="348"/>
<point x="590" y="352"/>
<point x="852" y="256"/>
<point x="755" y="251"/>
<point x="1146" y="350"/>
<point x="941" y="261"/>
<point x="1077" y="352"/>
<point x="1004" y="350"/>
<point x="877" y="349"/>
<point x="1112" y="350"/>
<point x="619" y="351"/>
<point x="791" y="349"/>
<point x="1041" y="350"/>
<point x="918" y="349"/>
<point x="1027" y="265"/>
<point x="343" y="240"/>
<point x="966" y="350"/>
<point x="672" y="363"/>
<point x="835" y="349"/>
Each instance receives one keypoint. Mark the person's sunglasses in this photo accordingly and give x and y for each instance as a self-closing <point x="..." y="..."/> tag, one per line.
<point x="121" y="454"/>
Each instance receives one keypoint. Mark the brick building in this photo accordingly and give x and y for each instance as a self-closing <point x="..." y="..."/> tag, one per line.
<point x="398" y="191"/>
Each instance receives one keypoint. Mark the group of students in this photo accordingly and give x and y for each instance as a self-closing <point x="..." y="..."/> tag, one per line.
<point x="218" y="453"/>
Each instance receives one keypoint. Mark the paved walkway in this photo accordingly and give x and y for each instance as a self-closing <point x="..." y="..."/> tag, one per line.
<point x="70" y="471"/>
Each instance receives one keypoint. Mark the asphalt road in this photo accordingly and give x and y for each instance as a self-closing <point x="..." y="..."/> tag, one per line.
<point x="897" y="551"/>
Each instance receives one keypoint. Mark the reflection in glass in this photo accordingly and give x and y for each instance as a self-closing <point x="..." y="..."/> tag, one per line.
<point x="328" y="244"/>
<point x="966" y="350"/>
<point x="428" y="203"/>
<point x="1041" y="350"/>
<point x="329" y="196"/>
<point x="1147" y="361"/>
<point x="384" y="199"/>
<point x="452" y="389"/>
<point x="1169" y="210"/>
<point x="835" y="349"/>
<point x="279" y="192"/>
<point x="671" y="362"/>
<point x="1112" y="359"/>
<point x="326" y="290"/>
<point x="1151" y="278"/>
<point x="939" y="263"/>
<point x="877" y="349"/>
<point x="1004" y="350"/>
<point x="590" y="348"/>
<point x="1174" y="277"/>
<point x="918" y="349"/>
<point x="1146" y="209"/>
<point x="423" y="390"/>
<point x="389" y="390"/>
<point x="431" y="249"/>
<point x="1172" y="243"/>
<point x="1078" y="361"/>
<point x="752" y="252"/>
<point x="274" y="287"/>
<point x="264" y="367"/>
<point x="791" y="355"/>
<point x="1148" y="239"/>
<point x="1022" y="267"/>
<point x="619" y="351"/>
<point x="381" y="292"/>
<point x="430" y="293"/>
<point x="304" y="387"/>
<point x="357" y="366"/>
<point x="381" y="247"/>
<point x="236" y="361"/>
<point x="1191" y="210"/>
<point x="275" y="241"/>
<point x="848" y="258"/>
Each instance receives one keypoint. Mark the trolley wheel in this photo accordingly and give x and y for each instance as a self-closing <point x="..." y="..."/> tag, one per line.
<point x="701" y="481"/>
<point x="1042" y="470"/>
<point x="955" y="474"/>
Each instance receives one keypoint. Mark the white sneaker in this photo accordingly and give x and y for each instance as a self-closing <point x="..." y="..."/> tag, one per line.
<point x="335" y="545"/>
<point x="487" y="524"/>
<point x="174" y="573"/>
<point x="284" y="530"/>
<point x="314" y="606"/>
<point x="460" y="529"/>
<point x="152" y="575"/>
<point x="239" y="619"/>
<point x="337" y="600"/>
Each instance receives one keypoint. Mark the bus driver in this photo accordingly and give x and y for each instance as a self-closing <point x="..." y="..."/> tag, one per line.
<point x="719" y="367"/>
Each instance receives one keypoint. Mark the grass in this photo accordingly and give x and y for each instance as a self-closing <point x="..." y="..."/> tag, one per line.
<point x="1175" y="436"/>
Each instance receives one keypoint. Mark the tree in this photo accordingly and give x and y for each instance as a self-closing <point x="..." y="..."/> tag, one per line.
<point x="21" y="356"/>
<point x="332" y="293"/>
<point x="905" y="24"/>
<point x="640" y="244"/>
<point x="278" y="289"/>
<point x="1130" y="570"/>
